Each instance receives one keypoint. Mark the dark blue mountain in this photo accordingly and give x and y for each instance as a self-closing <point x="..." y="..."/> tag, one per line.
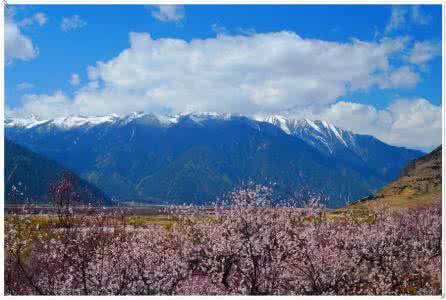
<point x="196" y="158"/>
<point x="33" y="175"/>
<point x="383" y="160"/>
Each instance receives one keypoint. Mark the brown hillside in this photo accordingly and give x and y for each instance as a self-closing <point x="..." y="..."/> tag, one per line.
<point x="419" y="184"/>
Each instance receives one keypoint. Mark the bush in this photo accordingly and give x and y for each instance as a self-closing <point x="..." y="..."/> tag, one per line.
<point x="246" y="246"/>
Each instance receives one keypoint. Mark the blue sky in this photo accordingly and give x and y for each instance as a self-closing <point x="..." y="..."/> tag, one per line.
<point x="337" y="62"/>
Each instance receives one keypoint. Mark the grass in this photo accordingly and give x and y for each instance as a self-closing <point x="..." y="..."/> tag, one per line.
<point x="399" y="201"/>
<point x="361" y="211"/>
<point x="45" y="221"/>
<point x="150" y="220"/>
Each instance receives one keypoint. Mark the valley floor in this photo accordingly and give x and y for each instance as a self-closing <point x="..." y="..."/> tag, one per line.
<point x="245" y="248"/>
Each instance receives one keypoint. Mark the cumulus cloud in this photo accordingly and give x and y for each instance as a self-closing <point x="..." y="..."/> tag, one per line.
<point x="218" y="29"/>
<point x="17" y="45"/>
<point x="269" y="72"/>
<point x="72" y="23"/>
<point x="401" y="16"/>
<point x="39" y="18"/>
<point x="246" y="31"/>
<point x="46" y="106"/>
<point x="402" y="77"/>
<point x="412" y="123"/>
<point x="168" y="13"/>
<point x="261" y="72"/>
<point x="11" y="112"/>
<point x="75" y="79"/>
<point x="419" y="16"/>
<point x="24" y="86"/>
<point x="423" y="52"/>
<point x="258" y="73"/>
<point x="397" y="19"/>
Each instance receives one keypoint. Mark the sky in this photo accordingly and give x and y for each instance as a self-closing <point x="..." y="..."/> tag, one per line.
<point x="374" y="69"/>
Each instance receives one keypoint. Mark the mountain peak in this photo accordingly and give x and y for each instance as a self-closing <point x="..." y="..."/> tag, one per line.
<point x="319" y="133"/>
<point x="74" y="121"/>
<point x="218" y="150"/>
<point x="322" y="130"/>
<point x="62" y="122"/>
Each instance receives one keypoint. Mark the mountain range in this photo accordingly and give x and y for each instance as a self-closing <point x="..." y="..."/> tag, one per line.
<point x="33" y="175"/>
<point x="197" y="157"/>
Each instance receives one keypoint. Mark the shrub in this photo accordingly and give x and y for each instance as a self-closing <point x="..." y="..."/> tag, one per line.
<point x="246" y="246"/>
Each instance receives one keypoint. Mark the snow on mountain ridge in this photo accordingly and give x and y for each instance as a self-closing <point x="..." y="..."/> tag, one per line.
<point x="311" y="131"/>
<point x="77" y="121"/>
<point x="330" y="135"/>
<point x="62" y="122"/>
<point x="294" y="126"/>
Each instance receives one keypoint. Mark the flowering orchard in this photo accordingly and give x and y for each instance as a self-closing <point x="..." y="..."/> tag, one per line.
<point x="246" y="246"/>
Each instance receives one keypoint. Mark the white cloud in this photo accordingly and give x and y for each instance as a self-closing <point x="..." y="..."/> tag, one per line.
<point x="246" y="31"/>
<point x="401" y="16"/>
<point x="46" y="106"/>
<point x="397" y="19"/>
<point x="75" y="80"/>
<point x="168" y="13"/>
<point x="419" y="17"/>
<point x="71" y="23"/>
<point x="412" y="123"/>
<point x="11" y="112"/>
<point x="24" y="86"/>
<point x="39" y="18"/>
<point x="423" y="52"/>
<point x="17" y="45"/>
<point x="402" y="77"/>
<point x="260" y="72"/>
<point x="218" y="29"/>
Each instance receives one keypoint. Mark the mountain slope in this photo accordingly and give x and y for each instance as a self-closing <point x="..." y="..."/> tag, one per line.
<point x="384" y="160"/>
<point x="420" y="183"/>
<point x="198" y="157"/>
<point x="223" y="155"/>
<point x="33" y="175"/>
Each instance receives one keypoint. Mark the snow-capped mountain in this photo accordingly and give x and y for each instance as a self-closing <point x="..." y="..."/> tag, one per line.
<point x="326" y="137"/>
<point x="196" y="157"/>
<point x="71" y="122"/>
<point x="345" y="145"/>
<point x="321" y="130"/>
